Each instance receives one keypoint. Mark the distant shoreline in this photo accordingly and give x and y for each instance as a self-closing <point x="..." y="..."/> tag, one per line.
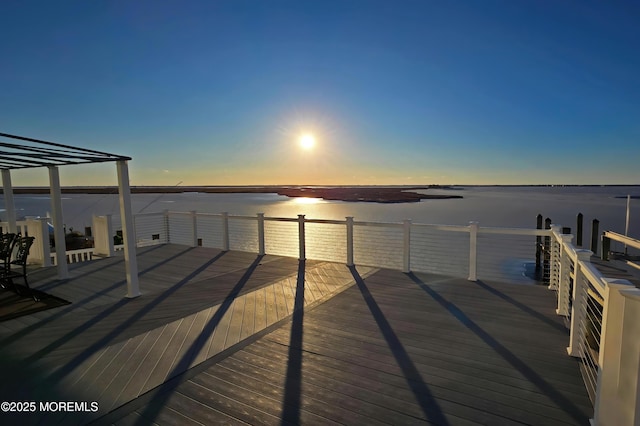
<point x="351" y="193"/>
<point x="371" y="194"/>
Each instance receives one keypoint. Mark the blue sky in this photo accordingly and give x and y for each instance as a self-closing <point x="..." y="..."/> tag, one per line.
<point x="395" y="92"/>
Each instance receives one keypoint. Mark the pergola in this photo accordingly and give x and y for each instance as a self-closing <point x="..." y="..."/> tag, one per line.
<point x="18" y="152"/>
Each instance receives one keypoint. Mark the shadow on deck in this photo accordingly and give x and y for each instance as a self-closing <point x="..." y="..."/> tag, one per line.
<point x="228" y="337"/>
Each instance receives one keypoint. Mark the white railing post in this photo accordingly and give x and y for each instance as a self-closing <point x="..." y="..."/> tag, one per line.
<point x="261" y="250"/>
<point x="554" y="257"/>
<point x="349" y="240"/>
<point x="103" y="235"/>
<point x="302" y="255"/>
<point x="618" y="384"/>
<point x="406" y="252"/>
<point x="225" y="231"/>
<point x="579" y="305"/>
<point x="194" y="228"/>
<point x="563" y="266"/>
<point x="473" y="251"/>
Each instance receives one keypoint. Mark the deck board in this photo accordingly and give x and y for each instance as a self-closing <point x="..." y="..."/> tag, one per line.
<point x="374" y="346"/>
<point x="348" y="361"/>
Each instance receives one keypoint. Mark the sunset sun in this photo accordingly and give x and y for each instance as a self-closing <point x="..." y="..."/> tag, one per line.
<point x="307" y="141"/>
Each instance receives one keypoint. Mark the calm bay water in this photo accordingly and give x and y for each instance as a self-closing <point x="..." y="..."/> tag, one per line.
<point x="491" y="206"/>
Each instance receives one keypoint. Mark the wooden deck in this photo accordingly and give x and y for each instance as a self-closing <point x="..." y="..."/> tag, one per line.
<point x="228" y="337"/>
<point x="617" y="268"/>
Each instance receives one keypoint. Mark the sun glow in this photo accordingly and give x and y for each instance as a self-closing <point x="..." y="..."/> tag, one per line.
<point x="307" y="141"/>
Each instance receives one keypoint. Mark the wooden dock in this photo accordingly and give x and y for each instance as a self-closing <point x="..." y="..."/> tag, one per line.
<point x="234" y="338"/>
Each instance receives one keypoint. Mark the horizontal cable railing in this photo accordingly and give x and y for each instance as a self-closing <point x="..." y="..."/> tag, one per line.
<point x="281" y="237"/>
<point x="209" y="229"/>
<point x="509" y="254"/>
<point x="378" y="244"/>
<point x="326" y="240"/>
<point x="581" y="295"/>
<point x="591" y="330"/>
<point x="440" y="249"/>
<point x="243" y="233"/>
<point x="461" y="251"/>
<point x="180" y="227"/>
<point x="150" y="229"/>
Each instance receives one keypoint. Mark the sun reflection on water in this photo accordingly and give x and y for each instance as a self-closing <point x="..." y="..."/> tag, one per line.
<point x="307" y="200"/>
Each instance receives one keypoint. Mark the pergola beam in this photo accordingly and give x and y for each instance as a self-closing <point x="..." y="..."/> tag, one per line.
<point x="43" y="153"/>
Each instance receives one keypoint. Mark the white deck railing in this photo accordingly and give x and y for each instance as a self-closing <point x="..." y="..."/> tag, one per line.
<point x="465" y="251"/>
<point x="602" y="314"/>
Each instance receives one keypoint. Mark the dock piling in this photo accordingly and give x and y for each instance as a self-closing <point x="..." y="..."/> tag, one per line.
<point x="538" y="248"/>
<point x="579" y="223"/>
<point x="595" y="225"/>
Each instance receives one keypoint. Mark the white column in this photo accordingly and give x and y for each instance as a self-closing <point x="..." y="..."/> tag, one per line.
<point x="8" y="200"/>
<point x="58" y="225"/>
<point x="473" y="251"/>
<point x="128" y="234"/>
<point x="406" y="252"/>
<point x="349" y="240"/>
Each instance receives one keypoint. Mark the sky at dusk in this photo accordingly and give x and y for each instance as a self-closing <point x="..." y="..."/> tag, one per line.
<point x="393" y="92"/>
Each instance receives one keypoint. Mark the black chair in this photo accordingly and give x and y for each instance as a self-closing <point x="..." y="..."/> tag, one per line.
<point x="23" y="245"/>
<point x="7" y="244"/>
